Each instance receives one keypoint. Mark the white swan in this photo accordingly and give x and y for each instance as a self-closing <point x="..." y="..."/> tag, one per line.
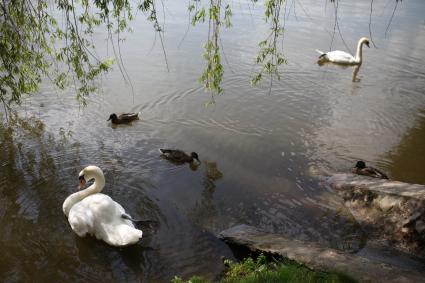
<point x="90" y="212"/>
<point x="341" y="57"/>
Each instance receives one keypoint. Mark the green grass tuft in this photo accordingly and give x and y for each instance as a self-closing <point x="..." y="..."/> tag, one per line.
<point x="259" y="270"/>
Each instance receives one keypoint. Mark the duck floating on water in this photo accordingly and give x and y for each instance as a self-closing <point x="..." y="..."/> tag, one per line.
<point x="361" y="169"/>
<point x="179" y="156"/>
<point x="342" y="57"/>
<point x="125" y="118"/>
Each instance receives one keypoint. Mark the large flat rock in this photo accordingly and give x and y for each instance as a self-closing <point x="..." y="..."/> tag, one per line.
<point x="344" y="182"/>
<point x="316" y="257"/>
<point x="391" y="211"/>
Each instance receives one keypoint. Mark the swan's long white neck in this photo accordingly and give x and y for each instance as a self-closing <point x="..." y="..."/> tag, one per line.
<point x="359" y="52"/>
<point x="96" y="187"/>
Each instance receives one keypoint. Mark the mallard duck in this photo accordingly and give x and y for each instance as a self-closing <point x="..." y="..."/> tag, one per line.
<point x="124" y="118"/>
<point x="361" y="169"/>
<point x="342" y="57"/>
<point x="179" y="156"/>
<point x="90" y="212"/>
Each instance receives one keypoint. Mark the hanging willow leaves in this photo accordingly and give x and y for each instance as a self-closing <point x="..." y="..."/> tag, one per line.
<point x="269" y="55"/>
<point x="40" y="39"/>
<point x="52" y="39"/>
<point x="212" y="75"/>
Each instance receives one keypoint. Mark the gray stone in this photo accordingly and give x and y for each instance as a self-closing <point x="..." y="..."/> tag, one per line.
<point x="386" y="209"/>
<point x="420" y="226"/>
<point x="316" y="257"/>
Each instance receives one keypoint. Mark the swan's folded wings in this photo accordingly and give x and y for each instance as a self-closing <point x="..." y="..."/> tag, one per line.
<point x="339" y="56"/>
<point x="119" y="234"/>
<point x="81" y="220"/>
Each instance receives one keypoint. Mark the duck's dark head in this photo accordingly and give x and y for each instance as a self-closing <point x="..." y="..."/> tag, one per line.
<point x="112" y="117"/>
<point x="195" y="156"/>
<point x="360" y="164"/>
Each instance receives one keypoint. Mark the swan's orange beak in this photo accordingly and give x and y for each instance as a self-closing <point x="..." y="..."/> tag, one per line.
<point x="82" y="182"/>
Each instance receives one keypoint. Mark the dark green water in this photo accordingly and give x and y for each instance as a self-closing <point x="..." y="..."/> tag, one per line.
<point x="263" y="152"/>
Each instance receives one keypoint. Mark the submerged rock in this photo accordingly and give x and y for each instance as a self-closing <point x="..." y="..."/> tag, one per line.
<point x="389" y="210"/>
<point x="317" y="257"/>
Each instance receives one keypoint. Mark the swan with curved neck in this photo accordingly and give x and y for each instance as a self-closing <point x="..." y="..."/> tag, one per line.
<point x="342" y="57"/>
<point x="90" y="212"/>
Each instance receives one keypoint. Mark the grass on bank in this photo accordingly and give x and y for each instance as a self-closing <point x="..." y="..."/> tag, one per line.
<point x="258" y="270"/>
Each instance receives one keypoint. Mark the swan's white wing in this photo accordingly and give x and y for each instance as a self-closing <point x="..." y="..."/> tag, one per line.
<point x="120" y="234"/>
<point x="102" y="207"/>
<point x="81" y="220"/>
<point x="101" y="216"/>
<point x="341" y="57"/>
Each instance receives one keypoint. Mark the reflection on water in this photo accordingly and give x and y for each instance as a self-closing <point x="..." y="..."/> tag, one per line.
<point x="263" y="152"/>
<point x="356" y="69"/>
<point x="203" y="212"/>
<point x="355" y="72"/>
<point x="408" y="158"/>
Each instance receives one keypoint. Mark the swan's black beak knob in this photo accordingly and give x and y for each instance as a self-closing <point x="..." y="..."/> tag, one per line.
<point x="82" y="182"/>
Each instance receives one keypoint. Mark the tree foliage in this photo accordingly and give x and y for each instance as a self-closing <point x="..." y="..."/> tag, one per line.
<point x="52" y="39"/>
<point x="219" y="13"/>
<point x="40" y="39"/>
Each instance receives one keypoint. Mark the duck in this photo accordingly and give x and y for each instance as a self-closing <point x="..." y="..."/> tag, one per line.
<point x="125" y="118"/>
<point x="90" y="212"/>
<point x="179" y="156"/>
<point x="361" y="169"/>
<point x="342" y="57"/>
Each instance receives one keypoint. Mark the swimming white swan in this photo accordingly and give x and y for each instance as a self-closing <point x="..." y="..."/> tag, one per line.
<point x="341" y="57"/>
<point x="90" y="212"/>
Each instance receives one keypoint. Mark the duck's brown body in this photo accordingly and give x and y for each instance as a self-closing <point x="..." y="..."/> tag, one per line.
<point x="124" y="118"/>
<point x="179" y="156"/>
<point x="361" y="169"/>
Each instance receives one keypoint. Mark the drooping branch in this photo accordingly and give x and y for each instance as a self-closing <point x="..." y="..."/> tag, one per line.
<point x="269" y="56"/>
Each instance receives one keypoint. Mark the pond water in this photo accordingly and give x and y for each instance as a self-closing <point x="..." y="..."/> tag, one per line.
<point x="263" y="151"/>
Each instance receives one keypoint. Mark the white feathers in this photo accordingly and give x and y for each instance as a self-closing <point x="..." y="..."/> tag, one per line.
<point x="342" y="57"/>
<point x="90" y="212"/>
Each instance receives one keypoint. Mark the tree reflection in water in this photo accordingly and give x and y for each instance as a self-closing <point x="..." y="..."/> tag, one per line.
<point x="204" y="212"/>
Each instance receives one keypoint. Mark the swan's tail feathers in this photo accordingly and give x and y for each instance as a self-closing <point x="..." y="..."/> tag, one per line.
<point x="128" y="217"/>
<point x="147" y="225"/>
<point x="120" y="234"/>
<point x="164" y="151"/>
<point x="320" y="52"/>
